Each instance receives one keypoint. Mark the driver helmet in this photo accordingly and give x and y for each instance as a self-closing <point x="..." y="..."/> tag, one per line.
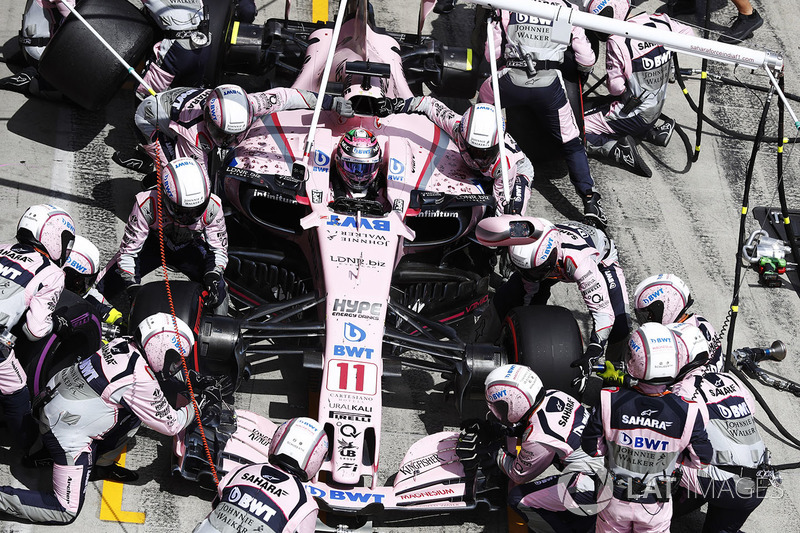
<point x="165" y="340"/>
<point x="536" y="260"/>
<point x="653" y="354"/>
<point x="662" y="298"/>
<point x="512" y="391"/>
<point x="82" y="266"/>
<point x="477" y="137"/>
<point x="615" y="9"/>
<point x="185" y="186"/>
<point x="228" y="115"/>
<point x="299" y="446"/>
<point x="49" y="229"/>
<point x="692" y="344"/>
<point x="358" y="159"/>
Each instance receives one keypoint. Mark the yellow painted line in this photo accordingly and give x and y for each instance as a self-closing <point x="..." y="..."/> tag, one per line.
<point x="234" y="32"/>
<point x="469" y="58"/>
<point x="319" y="10"/>
<point x="111" y="501"/>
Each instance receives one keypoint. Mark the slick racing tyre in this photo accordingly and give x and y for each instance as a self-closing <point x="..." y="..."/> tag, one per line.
<point x="547" y="339"/>
<point x="80" y="67"/>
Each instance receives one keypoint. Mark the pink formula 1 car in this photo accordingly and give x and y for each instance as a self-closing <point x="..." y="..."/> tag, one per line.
<point x="359" y="288"/>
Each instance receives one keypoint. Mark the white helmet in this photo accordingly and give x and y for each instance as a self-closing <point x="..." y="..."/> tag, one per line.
<point x="692" y="344"/>
<point x="653" y="354"/>
<point x="163" y="348"/>
<point x="477" y="137"/>
<point x="185" y="184"/>
<point x="299" y="447"/>
<point x="616" y="9"/>
<point x="49" y="229"/>
<point x="512" y="391"/>
<point x="537" y="259"/>
<point x="228" y="115"/>
<point x="661" y="298"/>
<point x="82" y="266"/>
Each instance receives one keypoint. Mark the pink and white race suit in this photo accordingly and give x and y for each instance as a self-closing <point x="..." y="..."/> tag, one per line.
<point x="523" y="41"/>
<point x="40" y="21"/>
<point x="30" y="288"/>
<point x="520" y="169"/>
<point x="82" y="404"/>
<point x="638" y="70"/>
<point x="260" y="497"/>
<point x="645" y="438"/>
<point x="729" y="483"/>
<point x="553" y="437"/>
<point x="209" y="228"/>
<point x="172" y="121"/>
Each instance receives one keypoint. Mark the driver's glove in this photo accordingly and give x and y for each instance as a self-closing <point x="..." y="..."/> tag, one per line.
<point x="485" y="430"/>
<point x="466" y="449"/>
<point x="342" y="107"/>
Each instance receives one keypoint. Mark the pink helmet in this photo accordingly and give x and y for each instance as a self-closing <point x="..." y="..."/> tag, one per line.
<point x="185" y="185"/>
<point x="512" y="391"/>
<point x="617" y="9"/>
<point x="478" y="139"/>
<point x="163" y="349"/>
<point x="228" y="115"/>
<point x="299" y="447"/>
<point x="358" y="159"/>
<point x="537" y="259"/>
<point x="49" y="229"/>
<point x="692" y="344"/>
<point x="661" y="298"/>
<point x="653" y="354"/>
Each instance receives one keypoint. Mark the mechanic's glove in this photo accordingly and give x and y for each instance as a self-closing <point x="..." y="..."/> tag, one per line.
<point x="211" y="282"/>
<point x="343" y="107"/>
<point x="613" y="377"/>
<point x="132" y="289"/>
<point x="208" y="396"/>
<point x="466" y="450"/>
<point x="61" y="325"/>
<point x="115" y="318"/>
<point x="585" y="363"/>
<point x="485" y="430"/>
<point x="500" y="459"/>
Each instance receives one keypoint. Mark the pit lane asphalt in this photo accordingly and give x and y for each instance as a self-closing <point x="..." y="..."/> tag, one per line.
<point x="676" y="221"/>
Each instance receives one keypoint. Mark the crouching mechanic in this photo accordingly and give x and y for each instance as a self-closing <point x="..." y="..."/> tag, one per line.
<point x="271" y="496"/>
<point x="193" y="122"/>
<point x="32" y="282"/>
<point x="736" y="480"/>
<point x="195" y="237"/>
<point x="570" y="252"/>
<point x="475" y="134"/>
<point x="646" y="433"/>
<point x="552" y="422"/>
<point x="665" y="298"/>
<point x="84" y="402"/>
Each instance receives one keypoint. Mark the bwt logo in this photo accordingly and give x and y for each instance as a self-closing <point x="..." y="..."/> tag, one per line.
<point x="653" y="296"/>
<point x="643" y="443"/>
<point x="599" y="7"/>
<point x="546" y="250"/>
<point x="183" y="164"/>
<point x="497" y="395"/>
<point x="341" y="350"/>
<point x="77" y="266"/>
<point x="344" y="222"/>
<point x="353" y="333"/>
<point x="735" y="411"/>
<point x="345" y="495"/>
<point x="68" y="224"/>
<point x="321" y="159"/>
<point x="396" y="167"/>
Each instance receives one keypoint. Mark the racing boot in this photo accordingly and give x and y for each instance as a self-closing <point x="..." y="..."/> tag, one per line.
<point x="136" y="161"/>
<point x="19" y="82"/>
<point x="593" y="211"/>
<point x="113" y="472"/>
<point x="742" y="28"/>
<point x="625" y="154"/>
<point x="661" y="134"/>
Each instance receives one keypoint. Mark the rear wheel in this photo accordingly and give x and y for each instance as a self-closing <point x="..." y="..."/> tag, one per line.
<point x="80" y="67"/>
<point x="547" y="339"/>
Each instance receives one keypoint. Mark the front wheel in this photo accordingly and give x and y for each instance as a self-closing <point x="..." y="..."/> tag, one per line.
<point x="547" y="339"/>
